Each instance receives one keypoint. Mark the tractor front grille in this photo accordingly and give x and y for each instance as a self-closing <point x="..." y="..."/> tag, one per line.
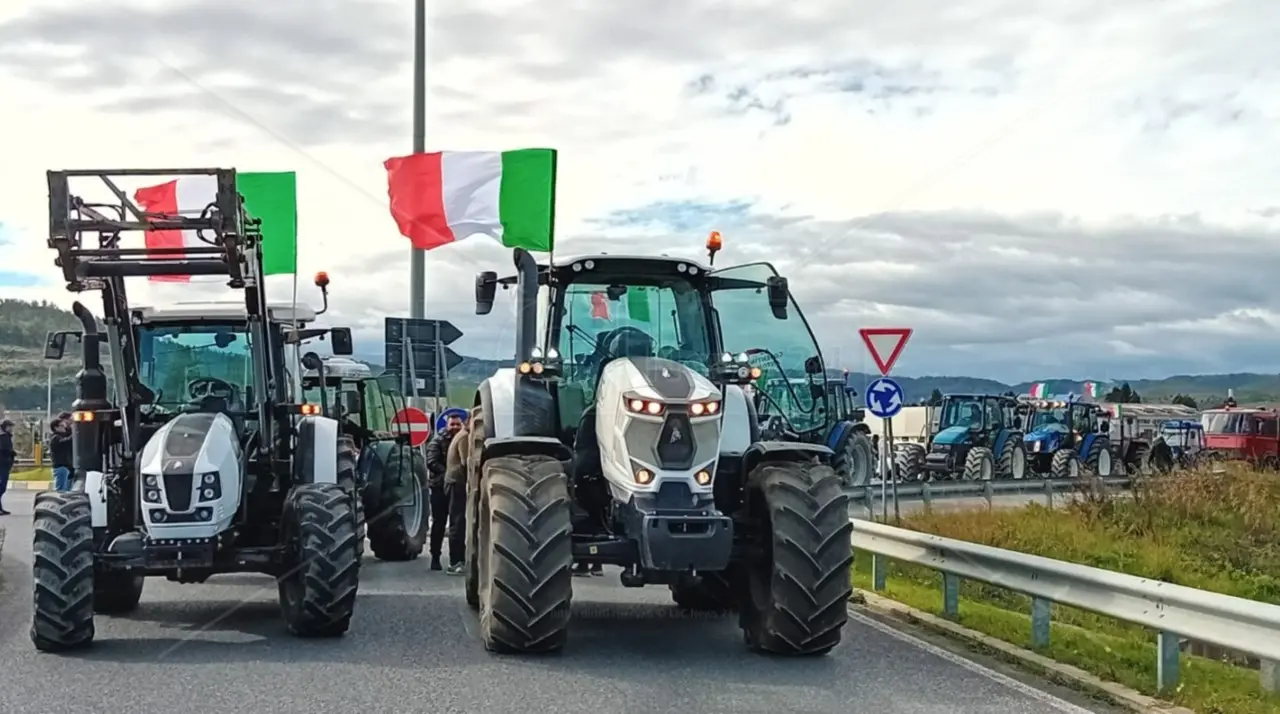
<point x="177" y="489"/>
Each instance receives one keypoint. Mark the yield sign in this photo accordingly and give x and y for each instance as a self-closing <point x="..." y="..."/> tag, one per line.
<point x="885" y="344"/>
<point x="415" y="423"/>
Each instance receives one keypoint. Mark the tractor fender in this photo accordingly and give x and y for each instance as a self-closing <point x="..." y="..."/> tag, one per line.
<point x="516" y="406"/>
<point x="763" y="451"/>
<point x="315" y="457"/>
<point x="484" y="400"/>
<point x="862" y="428"/>
<point x="1086" y="445"/>
<point x="740" y="426"/>
<point x="837" y="433"/>
<point x="525" y="446"/>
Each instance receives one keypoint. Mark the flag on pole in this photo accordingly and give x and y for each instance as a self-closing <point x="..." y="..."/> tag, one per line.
<point x="636" y="308"/>
<point x="446" y="196"/>
<point x="1091" y="390"/>
<point x="270" y="197"/>
<point x="1037" y="390"/>
<point x="599" y="306"/>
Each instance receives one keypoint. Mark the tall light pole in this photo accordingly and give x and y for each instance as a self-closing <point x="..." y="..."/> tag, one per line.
<point x="418" y="258"/>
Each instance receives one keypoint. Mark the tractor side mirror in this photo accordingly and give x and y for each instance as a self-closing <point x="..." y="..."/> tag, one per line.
<point x="813" y="366"/>
<point x="1105" y="427"/>
<point x="340" y="341"/>
<point x="55" y="345"/>
<point x="779" y="296"/>
<point x="1017" y="423"/>
<point x="311" y="360"/>
<point x="486" y="288"/>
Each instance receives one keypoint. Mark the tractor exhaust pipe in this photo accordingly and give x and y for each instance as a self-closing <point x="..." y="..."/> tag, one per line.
<point x="91" y="397"/>
<point x="526" y="305"/>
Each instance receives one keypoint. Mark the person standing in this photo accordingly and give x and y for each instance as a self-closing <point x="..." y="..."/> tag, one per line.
<point x="7" y="457"/>
<point x="455" y="484"/>
<point x="437" y="464"/>
<point x="60" y="452"/>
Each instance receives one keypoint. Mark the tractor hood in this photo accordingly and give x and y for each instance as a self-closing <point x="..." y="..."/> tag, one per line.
<point x="189" y="444"/>
<point x="1048" y="432"/>
<point x="952" y="435"/>
<point x="663" y="380"/>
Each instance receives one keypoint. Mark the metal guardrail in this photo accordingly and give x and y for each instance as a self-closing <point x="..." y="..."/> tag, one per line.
<point x="1173" y="611"/>
<point x="872" y="494"/>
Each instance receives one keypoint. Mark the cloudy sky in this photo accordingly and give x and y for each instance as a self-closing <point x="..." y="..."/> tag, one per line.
<point x="1039" y="188"/>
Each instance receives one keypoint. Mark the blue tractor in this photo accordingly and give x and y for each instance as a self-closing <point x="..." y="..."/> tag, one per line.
<point x="1185" y="439"/>
<point x="1066" y="435"/>
<point x="978" y="437"/>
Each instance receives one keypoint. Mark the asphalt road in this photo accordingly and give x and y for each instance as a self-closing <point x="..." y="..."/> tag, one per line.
<point x="221" y="647"/>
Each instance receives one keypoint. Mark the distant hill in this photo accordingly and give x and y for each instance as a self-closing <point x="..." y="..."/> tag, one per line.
<point x="24" y="373"/>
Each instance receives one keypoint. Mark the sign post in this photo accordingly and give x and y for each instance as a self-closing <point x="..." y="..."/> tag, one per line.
<point x="418" y="352"/>
<point x="884" y="399"/>
<point x="414" y="422"/>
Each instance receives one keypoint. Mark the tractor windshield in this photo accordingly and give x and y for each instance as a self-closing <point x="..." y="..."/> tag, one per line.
<point x="1052" y="418"/>
<point x="962" y="412"/>
<point x="182" y="363"/>
<point x="779" y="347"/>
<point x="666" y="319"/>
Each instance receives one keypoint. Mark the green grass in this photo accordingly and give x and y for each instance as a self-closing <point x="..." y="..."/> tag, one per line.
<point x="41" y="473"/>
<point x="1204" y="531"/>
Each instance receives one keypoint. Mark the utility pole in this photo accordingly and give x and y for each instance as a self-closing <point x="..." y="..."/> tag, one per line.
<point x="418" y="258"/>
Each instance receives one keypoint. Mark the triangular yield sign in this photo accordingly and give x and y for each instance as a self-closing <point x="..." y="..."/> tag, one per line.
<point x="885" y="345"/>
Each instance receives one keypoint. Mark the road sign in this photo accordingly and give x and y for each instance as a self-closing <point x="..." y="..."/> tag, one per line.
<point x="415" y="423"/>
<point x="452" y="411"/>
<point x="417" y="350"/>
<point x="885" y="345"/>
<point x="884" y="398"/>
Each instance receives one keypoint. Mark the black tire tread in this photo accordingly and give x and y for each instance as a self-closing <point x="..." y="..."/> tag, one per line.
<point x="973" y="463"/>
<point x="328" y="561"/>
<point x="1100" y="443"/>
<point x="526" y="605"/>
<point x="843" y="462"/>
<point x="62" y="572"/>
<point x="909" y="460"/>
<point x="1060" y="465"/>
<point x="116" y="592"/>
<point x="1004" y="465"/>
<point x="389" y="538"/>
<point x="808" y="571"/>
<point x="475" y="432"/>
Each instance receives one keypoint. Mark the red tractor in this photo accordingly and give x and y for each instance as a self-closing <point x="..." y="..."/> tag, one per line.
<point x="1251" y="435"/>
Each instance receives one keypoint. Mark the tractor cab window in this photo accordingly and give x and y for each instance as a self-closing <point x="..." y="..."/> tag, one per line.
<point x="184" y="365"/>
<point x="1083" y="419"/>
<point x="779" y="348"/>
<point x="962" y="412"/>
<point x="995" y="413"/>
<point x="1053" y="418"/>
<point x="602" y="320"/>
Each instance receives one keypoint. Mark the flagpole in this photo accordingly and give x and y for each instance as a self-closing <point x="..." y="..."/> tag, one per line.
<point x="417" y="257"/>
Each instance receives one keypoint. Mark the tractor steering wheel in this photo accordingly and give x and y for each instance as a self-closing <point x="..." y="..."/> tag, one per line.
<point x="202" y="388"/>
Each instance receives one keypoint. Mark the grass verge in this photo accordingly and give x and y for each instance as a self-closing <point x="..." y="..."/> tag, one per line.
<point x="1218" y="532"/>
<point x="40" y="473"/>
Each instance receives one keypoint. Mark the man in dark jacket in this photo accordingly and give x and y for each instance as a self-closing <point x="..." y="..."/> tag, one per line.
<point x="7" y="457"/>
<point x="60" y="452"/>
<point x="437" y="464"/>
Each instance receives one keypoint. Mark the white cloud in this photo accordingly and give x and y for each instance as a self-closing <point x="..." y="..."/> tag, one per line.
<point x="1036" y="187"/>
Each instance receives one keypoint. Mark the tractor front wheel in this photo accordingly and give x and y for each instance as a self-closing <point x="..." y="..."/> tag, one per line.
<point x="318" y="591"/>
<point x="1065" y="464"/>
<point x="979" y="464"/>
<point x="1012" y="463"/>
<point x="62" y="571"/>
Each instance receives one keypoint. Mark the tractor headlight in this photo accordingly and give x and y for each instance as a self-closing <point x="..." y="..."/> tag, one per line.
<point x="151" y="481"/>
<point x="209" y="479"/>
<point x="704" y="408"/>
<point x="650" y="407"/>
<point x="703" y="477"/>
<point x="152" y="496"/>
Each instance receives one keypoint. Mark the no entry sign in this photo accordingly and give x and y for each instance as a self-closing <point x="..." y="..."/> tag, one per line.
<point x="415" y="423"/>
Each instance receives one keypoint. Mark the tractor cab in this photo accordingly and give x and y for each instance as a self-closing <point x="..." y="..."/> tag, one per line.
<point x="1065" y="434"/>
<point x="347" y="391"/>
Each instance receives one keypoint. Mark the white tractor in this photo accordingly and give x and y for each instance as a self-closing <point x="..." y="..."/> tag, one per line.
<point x="623" y="436"/>
<point x="192" y="456"/>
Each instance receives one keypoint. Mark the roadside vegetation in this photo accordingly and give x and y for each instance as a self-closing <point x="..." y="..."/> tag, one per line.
<point x="1218" y="532"/>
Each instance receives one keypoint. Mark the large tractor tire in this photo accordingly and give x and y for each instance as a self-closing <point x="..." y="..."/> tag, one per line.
<point x="796" y="599"/>
<point x="979" y="464"/>
<point x="318" y="590"/>
<point x="397" y="501"/>
<point x="909" y="462"/>
<point x="525" y="555"/>
<point x="1012" y="463"/>
<point x="706" y="592"/>
<point x="62" y="572"/>
<point x="1099" y="461"/>
<point x="1065" y="464"/>
<point x="348" y="458"/>
<point x="475" y="432"/>
<point x="854" y="459"/>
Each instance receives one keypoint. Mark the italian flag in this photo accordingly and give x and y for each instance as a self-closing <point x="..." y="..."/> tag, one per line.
<point x="1037" y="390"/>
<point x="1091" y="390"/>
<point x="269" y="197"/>
<point x="636" y="307"/>
<point x="446" y="196"/>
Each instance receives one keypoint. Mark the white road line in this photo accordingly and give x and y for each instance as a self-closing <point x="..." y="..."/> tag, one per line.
<point x="1005" y="680"/>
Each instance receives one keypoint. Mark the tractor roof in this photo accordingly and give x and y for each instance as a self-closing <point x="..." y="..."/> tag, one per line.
<point x="221" y="310"/>
<point x="342" y="368"/>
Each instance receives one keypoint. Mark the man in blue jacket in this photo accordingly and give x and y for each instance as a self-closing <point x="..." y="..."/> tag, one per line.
<point x="7" y="457"/>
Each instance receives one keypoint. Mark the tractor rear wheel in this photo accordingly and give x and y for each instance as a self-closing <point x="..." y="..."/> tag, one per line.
<point x="398" y="528"/>
<point x="1099" y="462"/>
<point x="1012" y="463"/>
<point x="979" y="464"/>
<point x="796" y="599"/>
<point x="318" y="590"/>
<point x="62" y="571"/>
<point x="475" y="432"/>
<point x="525" y="554"/>
<point x="1065" y="464"/>
<point x="909" y="462"/>
<point x="854" y="460"/>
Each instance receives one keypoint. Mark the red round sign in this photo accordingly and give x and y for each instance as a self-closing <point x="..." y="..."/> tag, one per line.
<point x="415" y="423"/>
